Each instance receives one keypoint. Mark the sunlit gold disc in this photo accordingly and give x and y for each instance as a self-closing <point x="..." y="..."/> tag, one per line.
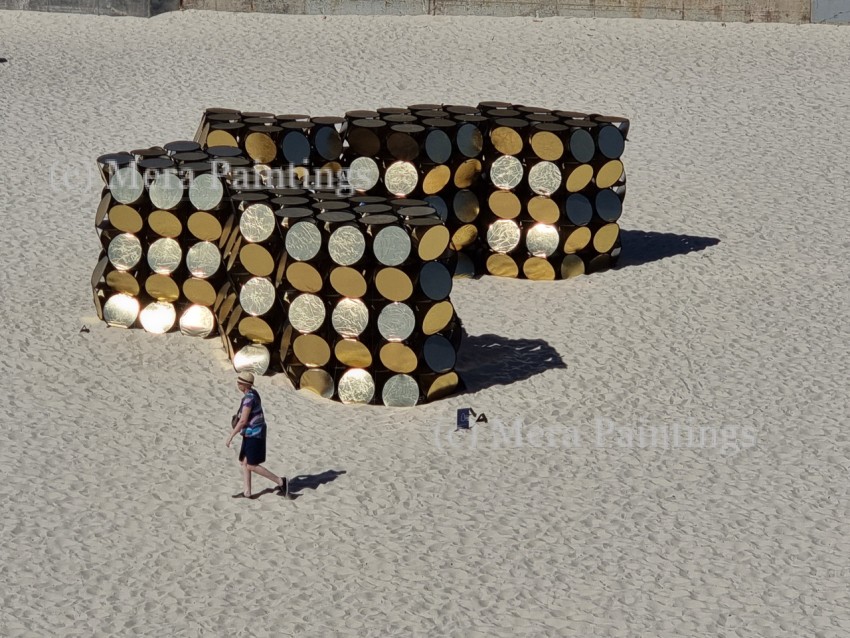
<point x="579" y="178"/>
<point x="254" y="358"/>
<point x="433" y="241"/>
<point x="506" y="140"/>
<point x="544" y="210"/>
<point x="165" y="255"/>
<point x="504" y="204"/>
<point x="605" y="238"/>
<point x="467" y="173"/>
<point x="609" y="174"/>
<point x="348" y="282"/>
<point x="257" y="296"/>
<point x="572" y="266"/>
<point x="350" y="318"/>
<point x="466" y="206"/>
<point x="398" y="357"/>
<point x="125" y="219"/>
<point x="544" y="178"/>
<point x="542" y="240"/>
<point x="436" y="179"/>
<point x="438" y="317"/>
<point x="122" y="281"/>
<point x="356" y="386"/>
<point x="393" y="284"/>
<point x="401" y="178"/>
<point x="307" y="313"/>
<point x="442" y="386"/>
<point x="400" y="391"/>
<point x="199" y="291"/>
<point x="256" y="330"/>
<point x="506" y="172"/>
<point x="257" y="260"/>
<point x="221" y="138"/>
<point x="503" y="236"/>
<point x="257" y="223"/>
<point x="547" y="146"/>
<point x="197" y="321"/>
<point x="204" y="226"/>
<point x="464" y="236"/>
<point x="121" y="310"/>
<point x="391" y="246"/>
<point x="502" y="266"/>
<point x="203" y="259"/>
<point x="538" y="269"/>
<point x="162" y="288"/>
<point x="304" y="277"/>
<point x="351" y="352"/>
<point x="164" y="224"/>
<point x="311" y="350"/>
<point x="318" y="381"/>
<point x="577" y="240"/>
<point x="158" y="317"/>
<point x="260" y="147"/>
<point x="124" y="251"/>
<point x="166" y="191"/>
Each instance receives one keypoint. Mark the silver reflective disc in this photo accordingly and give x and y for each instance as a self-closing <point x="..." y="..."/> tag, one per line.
<point x="396" y="321"/>
<point x="257" y="223"/>
<point x="356" y="386"/>
<point x="125" y="251"/>
<point x="206" y="191"/>
<point x="544" y="178"/>
<point x="346" y="245"/>
<point x="126" y="185"/>
<point x="197" y="321"/>
<point x="400" y="391"/>
<point x="350" y="318"/>
<point x="506" y="172"/>
<point x="164" y="256"/>
<point x="121" y="310"/>
<point x="158" y="317"/>
<point x="303" y="241"/>
<point x="166" y="191"/>
<point x="253" y="358"/>
<point x="363" y="174"/>
<point x="401" y="178"/>
<point x="542" y="240"/>
<point x="391" y="246"/>
<point x="307" y="313"/>
<point x="257" y="296"/>
<point x="203" y="259"/>
<point x="503" y="236"/>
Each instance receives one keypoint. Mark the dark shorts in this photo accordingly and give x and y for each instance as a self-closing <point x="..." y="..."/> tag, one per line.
<point x="254" y="450"/>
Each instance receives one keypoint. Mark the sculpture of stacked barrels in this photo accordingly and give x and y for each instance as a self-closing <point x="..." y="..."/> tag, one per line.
<point x="325" y="247"/>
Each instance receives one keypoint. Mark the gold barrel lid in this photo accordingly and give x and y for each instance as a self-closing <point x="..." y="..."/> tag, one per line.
<point x="197" y="321"/>
<point x="609" y="174"/>
<point x="356" y="386"/>
<point x="398" y="357"/>
<point x="353" y="353"/>
<point x="125" y="219"/>
<point x="199" y="291"/>
<point x="257" y="260"/>
<point x="506" y="140"/>
<point x="256" y="330"/>
<point x="547" y="146"/>
<point x="605" y="238"/>
<point x="579" y="177"/>
<point x="436" y="179"/>
<point x="311" y="350"/>
<point x="158" y="317"/>
<point x="437" y="317"/>
<point x="467" y="173"/>
<point x="577" y="240"/>
<point x="400" y="390"/>
<point x="464" y="236"/>
<point x="544" y="210"/>
<point x="260" y="147"/>
<point x="162" y="288"/>
<point x="164" y="223"/>
<point x="504" y="204"/>
<point x="304" y="277"/>
<point x="442" y="386"/>
<point x="538" y="269"/>
<point x="348" y="282"/>
<point x="318" y="381"/>
<point x="502" y="266"/>
<point x="122" y="281"/>
<point x="350" y="318"/>
<point x="432" y="241"/>
<point x="204" y="226"/>
<point x="393" y="284"/>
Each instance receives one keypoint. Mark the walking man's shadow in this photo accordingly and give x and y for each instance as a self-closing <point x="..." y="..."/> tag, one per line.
<point x="306" y="481"/>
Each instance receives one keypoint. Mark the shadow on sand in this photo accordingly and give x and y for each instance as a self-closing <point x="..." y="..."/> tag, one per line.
<point x="304" y="481"/>
<point x="641" y="246"/>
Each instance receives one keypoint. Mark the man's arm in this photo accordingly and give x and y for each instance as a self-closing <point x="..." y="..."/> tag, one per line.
<point x="240" y="424"/>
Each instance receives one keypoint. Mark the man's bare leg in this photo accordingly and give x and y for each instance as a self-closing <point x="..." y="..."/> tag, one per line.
<point x="246" y="478"/>
<point x="259" y="469"/>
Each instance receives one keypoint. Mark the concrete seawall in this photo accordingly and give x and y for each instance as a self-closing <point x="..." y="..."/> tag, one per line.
<point x="793" y="11"/>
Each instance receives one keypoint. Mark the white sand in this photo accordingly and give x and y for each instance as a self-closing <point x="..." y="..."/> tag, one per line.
<point x="114" y="480"/>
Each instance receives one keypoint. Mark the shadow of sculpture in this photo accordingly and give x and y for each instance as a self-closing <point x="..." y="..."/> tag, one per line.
<point x="641" y="247"/>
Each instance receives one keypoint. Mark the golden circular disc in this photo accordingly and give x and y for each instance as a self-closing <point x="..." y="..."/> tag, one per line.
<point x="260" y="147"/>
<point x="348" y="282"/>
<point x="353" y="353"/>
<point x="162" y="288"/>
<point x="467" y="173"/>
<point x="436" y="180"/>
<point x="506" y="140"/>
<point x="547" y="146"/>
<point x="502" y="266"/>
<point x="318" y="381"/>
<point x="504" y="204"/>
<point x="433" y="242"/>
<point x="605" y="238"/>
<point x="464" y="236"/>
<point x="221" y="138"/>
<point x="393" y="284"/>
<point x="165" y="224"/>
<point x="572" y="266"/>
<point x="332" y="167"/>
<point x="609" y="174"/>
<point x="443" y="386"/>
<point x="123" y="281"/>
<point x="311" y="350"/>
<point x="256" y="330"/>
<point x="304" y="277"/>
<point x="204" y="226"/>
<point x="125" y="219"/>
<point x="544" y="210"/>
<point x="257" y="260"/>
<point x="199" y="291"/>
<point x="398" y="357"/>
<point x="577" y="240"/>
<point x="438" y="317"/>
<point x="579" y="178"/>
<point x="538" y="269"/>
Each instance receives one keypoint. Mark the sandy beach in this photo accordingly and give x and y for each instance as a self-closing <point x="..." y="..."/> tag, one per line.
<point x="667" y="452"/>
